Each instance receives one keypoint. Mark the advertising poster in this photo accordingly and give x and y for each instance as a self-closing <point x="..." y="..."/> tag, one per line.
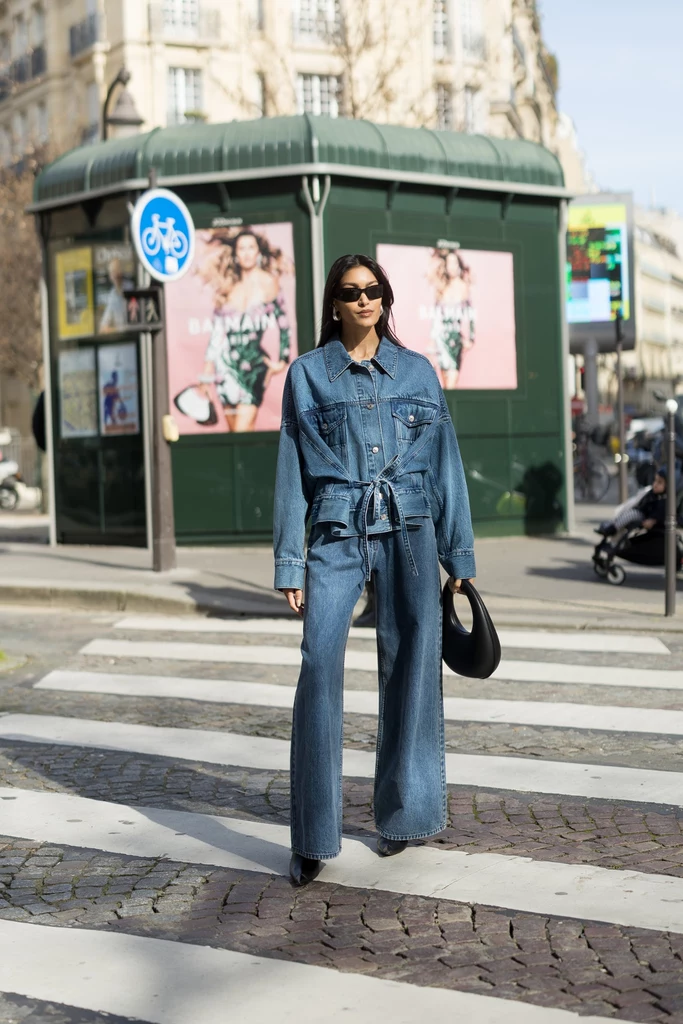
<point x="597" y="263"/>
<point x="78" y="393"/>
<point x="114" y="272"/>
<point x="231" y="330"/>
<point x="457" y="307"/>
<point x="75" y="312"/>
<point x="118" y="389"/>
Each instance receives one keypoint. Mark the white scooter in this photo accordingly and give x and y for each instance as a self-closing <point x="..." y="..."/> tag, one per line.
<point x="9" y="475"/>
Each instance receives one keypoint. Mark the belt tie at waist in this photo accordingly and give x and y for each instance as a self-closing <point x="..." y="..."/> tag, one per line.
<point x="373" y="495"/>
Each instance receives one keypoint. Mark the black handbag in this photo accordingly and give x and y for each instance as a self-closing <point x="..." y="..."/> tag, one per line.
<point x="475" y="654"/>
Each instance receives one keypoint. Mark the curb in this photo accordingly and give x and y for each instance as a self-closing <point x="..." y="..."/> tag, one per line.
<point x="122" y="601"/>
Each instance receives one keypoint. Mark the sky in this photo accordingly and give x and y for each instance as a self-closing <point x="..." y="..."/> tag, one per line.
<point x="621" y="80"/>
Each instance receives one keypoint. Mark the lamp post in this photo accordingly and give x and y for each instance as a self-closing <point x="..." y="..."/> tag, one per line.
<point x="670" y="553"/>
<point x="125" y="113"/>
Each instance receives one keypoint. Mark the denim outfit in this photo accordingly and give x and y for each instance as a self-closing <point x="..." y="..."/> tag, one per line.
<point x="368" y="456"/>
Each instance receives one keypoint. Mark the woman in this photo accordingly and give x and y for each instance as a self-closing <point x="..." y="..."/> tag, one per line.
<point x="246" y="276"/>
<point x="368" y="455"/>
<point x="452" y="280"/>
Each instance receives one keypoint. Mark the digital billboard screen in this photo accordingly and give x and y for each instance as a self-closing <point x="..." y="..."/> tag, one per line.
<point x="599" y="271"/>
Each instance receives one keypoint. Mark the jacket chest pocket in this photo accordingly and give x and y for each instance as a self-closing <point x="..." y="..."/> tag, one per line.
<point x="329" y="425"/>
<point x="411" y="419"/>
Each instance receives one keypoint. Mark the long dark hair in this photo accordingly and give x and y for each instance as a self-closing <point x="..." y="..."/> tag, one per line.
<point x="330" y="327"/>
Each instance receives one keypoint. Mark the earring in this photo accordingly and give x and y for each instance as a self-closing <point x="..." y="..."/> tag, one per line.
<point x="335" y="314"/>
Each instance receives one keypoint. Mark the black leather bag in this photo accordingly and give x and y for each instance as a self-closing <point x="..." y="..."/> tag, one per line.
<point x="475" y="654"/>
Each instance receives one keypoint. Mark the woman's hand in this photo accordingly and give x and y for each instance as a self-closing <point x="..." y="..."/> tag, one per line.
<point x="275" y="367"/>
<point x="455" y="585"/>
<point x="295" y="600"/>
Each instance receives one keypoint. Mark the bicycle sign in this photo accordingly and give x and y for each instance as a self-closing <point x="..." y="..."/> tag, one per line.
<point x="163" y="234"/>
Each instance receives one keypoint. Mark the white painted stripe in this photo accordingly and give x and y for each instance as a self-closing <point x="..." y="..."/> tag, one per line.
<point x="580" y="891"/>
<point x="602" y="718"/>
<point x="613" y="643"/>
<point x="513" y="774"/>
<point x="166" y="982"/>
<point x="260" y="654"/>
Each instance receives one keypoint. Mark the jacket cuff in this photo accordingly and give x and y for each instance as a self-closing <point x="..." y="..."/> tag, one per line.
<point x="289" y="572"/>
<point x="460" y="564"/>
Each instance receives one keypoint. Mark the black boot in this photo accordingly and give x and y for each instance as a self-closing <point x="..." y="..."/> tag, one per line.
<point x="368" y="617"/>
<point x="390" y="847"/>
<point x="303" y="870"/>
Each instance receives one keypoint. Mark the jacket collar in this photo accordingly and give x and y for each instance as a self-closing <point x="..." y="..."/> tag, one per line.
<point x="337" y="359"/>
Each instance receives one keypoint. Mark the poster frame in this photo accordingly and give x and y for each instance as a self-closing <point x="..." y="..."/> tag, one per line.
<point x="62" y="258"/>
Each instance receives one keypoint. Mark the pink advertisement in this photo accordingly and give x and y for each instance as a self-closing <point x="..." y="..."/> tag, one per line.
<point x="457" y="307"/>
<point x="232" y="330"/>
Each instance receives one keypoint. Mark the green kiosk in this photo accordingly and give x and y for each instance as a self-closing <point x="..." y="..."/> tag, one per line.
<point x="470" y="230"/>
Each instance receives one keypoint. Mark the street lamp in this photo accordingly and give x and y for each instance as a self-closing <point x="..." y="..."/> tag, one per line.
<point x="670" y="552"/>
<point x="125" y="113"/>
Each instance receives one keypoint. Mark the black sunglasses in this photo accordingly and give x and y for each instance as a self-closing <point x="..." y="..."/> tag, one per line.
<point x="353" y="293"/>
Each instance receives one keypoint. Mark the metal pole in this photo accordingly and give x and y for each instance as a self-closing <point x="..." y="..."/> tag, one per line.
<point x="47" y="385"/>
<point x="670" y="522"/>
<point x="590" y="381"/>
<point x="317" y="244"/>
<point x="623" y="461"/>
<point x="163" y="519"/>
<point x="570" y="513"/>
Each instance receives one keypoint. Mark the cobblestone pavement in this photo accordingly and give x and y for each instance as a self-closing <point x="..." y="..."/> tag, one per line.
<point x="612" y="971"/>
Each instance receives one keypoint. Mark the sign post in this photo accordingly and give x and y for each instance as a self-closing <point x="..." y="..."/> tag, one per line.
<point x="670" y="553"/>
<point x="163" y="234"/>
<point x="621" y="420"/>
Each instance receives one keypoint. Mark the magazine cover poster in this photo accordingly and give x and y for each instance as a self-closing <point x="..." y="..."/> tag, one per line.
<point x="232" y="330"/>
<point x="114" y="271"/>
<point x="118" y="388"/>
<point x="457" y="307"/>
<point x="73" y="269"/>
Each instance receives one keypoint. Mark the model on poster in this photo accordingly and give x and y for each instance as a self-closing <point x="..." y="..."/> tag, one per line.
<point x="457" y="307"/>
<point x="114" y="268"/>
<point x="454" y="316"/>
<point x="231" y="335"/>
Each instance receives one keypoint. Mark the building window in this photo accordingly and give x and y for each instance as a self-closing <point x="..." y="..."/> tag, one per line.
<point x="19" y="36"/>
<point x="184" y="94"/>
<point x="5" y="148"/>
<point x="181" y="15"/>
<point x="317" y="19"/>
<point x="20" y="132"/>
<point x="261" y="95"/>
<point x="474" y="111"/>
<point x="37" y="27"/>
<point x="444" y="107"/>
<point x="440" y="27"/>
<point x="473" y="40"/>
<point x="43" y="124"/>
<point x="318" y="94"/>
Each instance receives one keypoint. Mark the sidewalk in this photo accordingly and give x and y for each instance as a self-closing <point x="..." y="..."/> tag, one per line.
<point x="526" y="581"/>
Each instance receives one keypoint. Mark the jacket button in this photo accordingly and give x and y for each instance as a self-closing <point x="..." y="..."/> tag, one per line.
<point x="411" y="419"/>
<point x="375" y="450"/>
<point x="383" y="516"/>
<point x="324" y="426"/>
<point x="371" y="405"/>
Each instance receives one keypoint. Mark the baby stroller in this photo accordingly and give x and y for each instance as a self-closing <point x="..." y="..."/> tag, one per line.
<point x="638" y="546"/>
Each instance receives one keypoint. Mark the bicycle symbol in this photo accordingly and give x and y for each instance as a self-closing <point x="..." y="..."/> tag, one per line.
<point x="162" y="235"/>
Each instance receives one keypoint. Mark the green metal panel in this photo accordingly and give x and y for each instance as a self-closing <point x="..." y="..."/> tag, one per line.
<point x="281" y="142"/>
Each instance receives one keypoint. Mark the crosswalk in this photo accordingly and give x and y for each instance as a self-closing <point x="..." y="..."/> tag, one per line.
<point x="181" y="980"/>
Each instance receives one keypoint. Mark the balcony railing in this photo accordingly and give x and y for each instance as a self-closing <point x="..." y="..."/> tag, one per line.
<point x="206" y="27"/>
<point x="84" y="34"/>
<point x="22" y="70"/>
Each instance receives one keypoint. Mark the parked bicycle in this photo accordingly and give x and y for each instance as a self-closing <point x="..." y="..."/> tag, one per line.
<point x="591" y="478"/>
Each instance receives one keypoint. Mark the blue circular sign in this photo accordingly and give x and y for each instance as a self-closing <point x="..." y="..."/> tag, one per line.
<point x="163" y="234"/>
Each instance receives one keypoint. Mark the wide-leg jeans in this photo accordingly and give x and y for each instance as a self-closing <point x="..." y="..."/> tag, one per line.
<point x="410" y="776"/>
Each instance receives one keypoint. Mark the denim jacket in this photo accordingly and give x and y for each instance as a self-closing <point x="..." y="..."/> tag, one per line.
<point x="367" y="448"/>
